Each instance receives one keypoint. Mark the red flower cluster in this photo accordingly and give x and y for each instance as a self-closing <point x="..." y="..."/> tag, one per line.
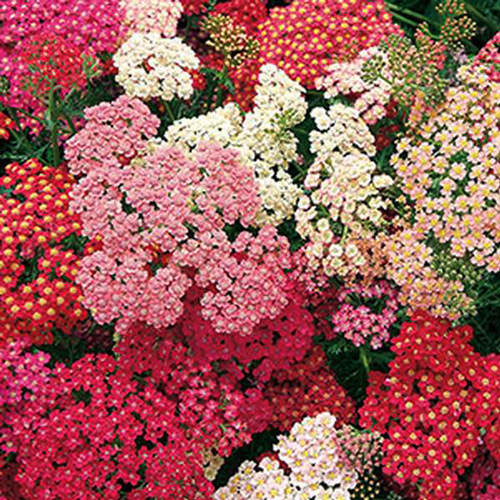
<point x="304" y="38"/>
<point x="206" y="405"/>
<point x="92" y="432"/>
<point x="37" y="270"/>
<point x="52" y="60"/>
<point x="6" y="125"/>
<point x="432" y="405"/>
<point x="273" y="345"/>
<point x="308" y="388"/>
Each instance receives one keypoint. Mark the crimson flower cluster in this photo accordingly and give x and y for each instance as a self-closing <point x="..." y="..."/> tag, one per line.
<point x="434" y="406"/>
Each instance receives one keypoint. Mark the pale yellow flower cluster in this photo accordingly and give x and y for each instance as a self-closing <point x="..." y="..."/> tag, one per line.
<point x="262" y="136"/>
<point x="344" y="196"/>
<point x="152" y="66"/>
<point x="315" y="470"/>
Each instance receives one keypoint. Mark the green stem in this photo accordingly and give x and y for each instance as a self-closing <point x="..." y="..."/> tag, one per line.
<point x="404" y="19"/>
<point x="363" y="355"/>
<point x="56" y="157"/>
<point x="476" y="13"/>
<point x="169" y="111"/>
<point x="344" y="234"/>
<point x="392" y="7"/>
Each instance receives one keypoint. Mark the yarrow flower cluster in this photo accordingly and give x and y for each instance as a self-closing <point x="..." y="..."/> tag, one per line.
<point x="431" y="405"/>
<point x="313" y="468"/>
<point x="450" y="172"/>
<point x="229" y="39"/>
<point x="38" y="258"/>
<point x="300" y="38"/>
<point x="152" y="66"/>
<point x="360" y="323"/>
<point x="345" y="192"/>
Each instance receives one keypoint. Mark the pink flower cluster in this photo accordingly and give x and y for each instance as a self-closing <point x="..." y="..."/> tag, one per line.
<point x="85" y="23"/>
<point x="160" y="214"/>
<point x="358" y="322"/>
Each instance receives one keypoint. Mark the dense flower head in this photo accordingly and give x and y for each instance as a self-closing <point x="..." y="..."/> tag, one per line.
<point x="308" y="387"/>
<point x="307" y="467"/>
<point x="359" y="322"/>
<point x="94" y="23"/>
<point x="450" y="171"/>
<point x="113" y="134"/>
<point x="484" y="481"/>
<point x="344" y="196"/>
<point x="229" y="39"/>
<point x="38" y="266"/>
<point x="207" y="405"/>
<point x="153" y="15"/>
<point x="152" y="66"/>
<point x="100" y="430"/>
<point x="303" y="38"/>
<point x="429" y="407"/>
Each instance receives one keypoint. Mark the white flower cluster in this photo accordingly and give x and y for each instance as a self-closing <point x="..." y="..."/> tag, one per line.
<point x="152" y="15"/>
<point x="263" y="138"/>
<point x="316" y="472"/>
<point x="344" y="189"/>
<point x="151" y="66"/>
<point x="346" y="78"/>
<point x="222" y="125"/>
